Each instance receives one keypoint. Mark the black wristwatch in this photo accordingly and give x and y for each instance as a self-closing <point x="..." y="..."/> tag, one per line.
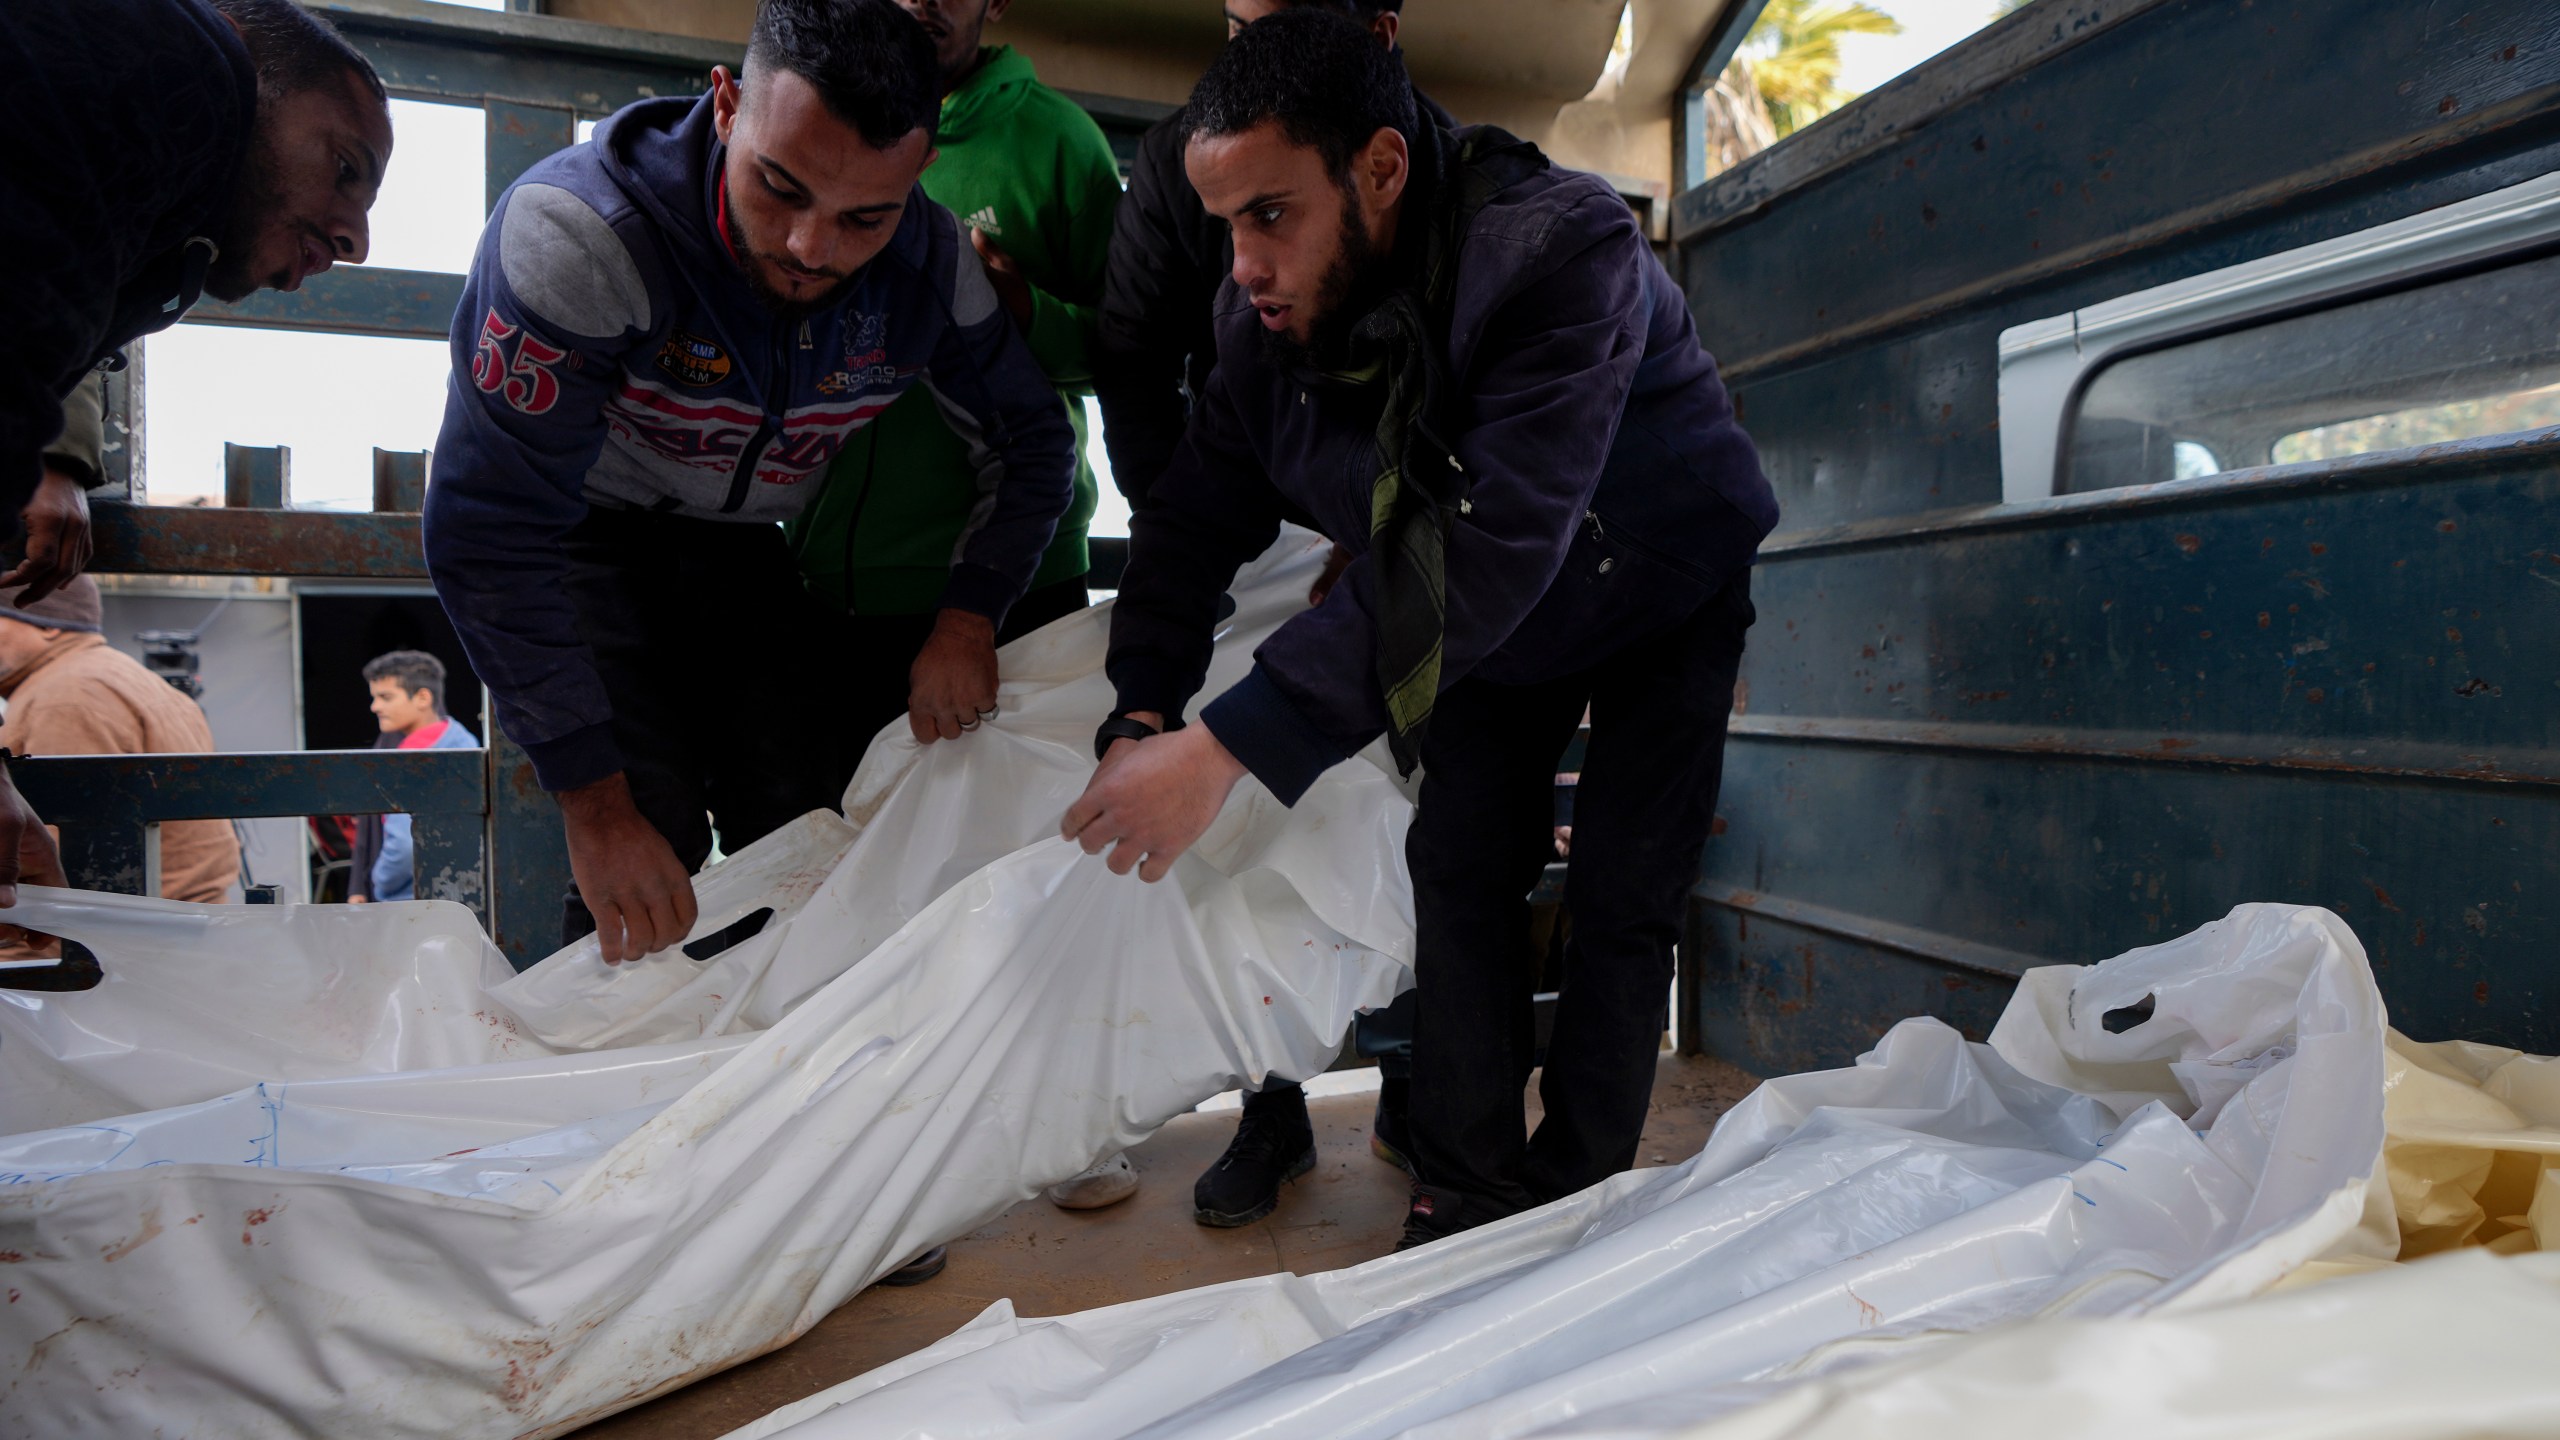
<point x="1120" y="727"/>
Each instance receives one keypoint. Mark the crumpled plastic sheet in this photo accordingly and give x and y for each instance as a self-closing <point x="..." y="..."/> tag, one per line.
<point x="330" y="1171"/>
<point x="2064" y="1173"/>
<point x="2455" y="1346"/>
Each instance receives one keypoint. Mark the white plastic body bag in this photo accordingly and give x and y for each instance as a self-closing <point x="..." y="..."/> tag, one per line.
<point x="332" y="1171"/>
<point x="2067" y="1169"/>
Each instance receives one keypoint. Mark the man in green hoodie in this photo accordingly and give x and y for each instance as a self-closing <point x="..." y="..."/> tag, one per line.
<point x="1031" y="175"/>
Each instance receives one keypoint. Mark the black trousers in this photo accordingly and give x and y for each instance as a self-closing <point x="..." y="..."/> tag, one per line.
<point x="1482" y="831"/>
<point x="703" y="635"/>
<point x="865" y="687"/>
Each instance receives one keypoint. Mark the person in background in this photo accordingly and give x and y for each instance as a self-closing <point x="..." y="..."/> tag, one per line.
<point x="1151" y="364"/>
<point x="57" y="522"/>
<point x="1033" y="178"/>
<point x="408" y="703"/>
<point x="1465" y="365"/>
<point x="71" y="693"/>
<point x="73" y="465"/>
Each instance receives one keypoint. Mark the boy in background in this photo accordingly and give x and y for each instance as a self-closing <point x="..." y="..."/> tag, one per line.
<point x="408" y="703"/>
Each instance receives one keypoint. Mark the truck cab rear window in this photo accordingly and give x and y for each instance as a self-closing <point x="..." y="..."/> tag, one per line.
<point x="2456" y="359"/>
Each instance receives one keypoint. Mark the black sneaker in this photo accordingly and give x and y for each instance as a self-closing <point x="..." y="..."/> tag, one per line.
<point x="917" y="1271"/>
<point x="1436" y="1214"/>
<point x="1389" y="1139"/>
<point x="1274" y="1143"/>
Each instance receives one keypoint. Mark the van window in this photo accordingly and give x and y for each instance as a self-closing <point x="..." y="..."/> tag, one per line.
<point x="2452" y="360"/>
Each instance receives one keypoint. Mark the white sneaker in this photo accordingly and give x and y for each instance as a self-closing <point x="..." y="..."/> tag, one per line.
<point x="1108" y="1183"/>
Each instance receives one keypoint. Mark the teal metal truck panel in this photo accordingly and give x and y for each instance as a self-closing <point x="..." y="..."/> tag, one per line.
<point x="1978" y="736"/>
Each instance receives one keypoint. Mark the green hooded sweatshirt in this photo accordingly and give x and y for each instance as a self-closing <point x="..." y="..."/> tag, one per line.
<point x="1026" y="165"/>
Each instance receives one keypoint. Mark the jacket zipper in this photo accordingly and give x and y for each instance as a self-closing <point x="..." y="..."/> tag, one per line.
<point x="745" y="474"/>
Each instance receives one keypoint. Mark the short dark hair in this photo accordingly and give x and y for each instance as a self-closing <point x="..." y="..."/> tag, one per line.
<point x="295" y="49"/>
<point x="1324" y="77"/>
<point x="869" y="60"/>
<point x="416" y="670"/>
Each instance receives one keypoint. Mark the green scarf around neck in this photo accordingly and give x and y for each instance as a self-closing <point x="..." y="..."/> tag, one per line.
<point x="1421" y="488"/>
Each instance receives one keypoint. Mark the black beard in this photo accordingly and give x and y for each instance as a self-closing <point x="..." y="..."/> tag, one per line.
<point x="784" y="306"/>
<point x="1352" y="286"/>
<point x="254" y="200"/>
<point x="751" y="265"/>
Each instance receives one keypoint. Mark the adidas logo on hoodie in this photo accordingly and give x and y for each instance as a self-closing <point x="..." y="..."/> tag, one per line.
<point x="985" y="219"/>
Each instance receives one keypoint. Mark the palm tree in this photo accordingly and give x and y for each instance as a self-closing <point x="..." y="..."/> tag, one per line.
<point x="1793" y="52"/>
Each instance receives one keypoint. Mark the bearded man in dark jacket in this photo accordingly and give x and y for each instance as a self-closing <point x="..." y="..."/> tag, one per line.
<point x="1464" y="365"/>
<point x="1154" y="346"/>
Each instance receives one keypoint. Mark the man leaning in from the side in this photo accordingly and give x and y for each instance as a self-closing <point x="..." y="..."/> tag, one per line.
<point x="161" y="150"/>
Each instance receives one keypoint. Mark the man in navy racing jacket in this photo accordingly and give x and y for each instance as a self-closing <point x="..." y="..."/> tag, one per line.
<point x="667" y="334"/>
<point x="1465" y="365"/>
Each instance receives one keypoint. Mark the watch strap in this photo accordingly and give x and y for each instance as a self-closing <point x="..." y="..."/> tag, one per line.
<point x="1120" y="727"/>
